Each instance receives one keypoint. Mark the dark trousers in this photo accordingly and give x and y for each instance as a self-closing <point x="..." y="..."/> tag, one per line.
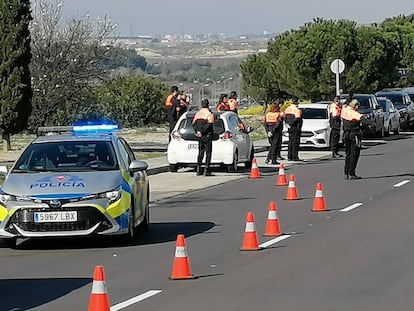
<point x="205" y="146"/>
<point x="275" y="145"/>
<point x="294" y="142"/>
<point x="352" y="141"/>
<point x="172" y="119"/>
<point x="334" y="140"/>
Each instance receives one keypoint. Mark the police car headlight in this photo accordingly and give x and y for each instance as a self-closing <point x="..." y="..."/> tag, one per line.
<point x="4" y="198"/>
<point x="320" y="131"/>
<point x="113" y="195"/>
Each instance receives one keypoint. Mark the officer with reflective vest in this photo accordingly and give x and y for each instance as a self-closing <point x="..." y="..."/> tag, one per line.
<point x="335" y="124"/>
<point x="352" y="123"/>
<point x="293" y="119"/>
<point x="233" y="104"/>
<point x="273" y="124"/>
<point x="203" y="122"/>
<point x="223" y="104"/>
<point x="171" y="104"/>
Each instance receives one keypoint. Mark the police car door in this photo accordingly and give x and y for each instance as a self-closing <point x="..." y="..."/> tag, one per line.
<point x="138" y="192"/>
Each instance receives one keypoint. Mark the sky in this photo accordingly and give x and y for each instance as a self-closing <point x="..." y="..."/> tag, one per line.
<point x="230" y="17"/>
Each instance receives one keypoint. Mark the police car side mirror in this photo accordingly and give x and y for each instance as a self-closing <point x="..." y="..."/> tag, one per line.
<point x="3" y="170"/>
<point x="137" y="166"/>
<point x="249" y="129"/>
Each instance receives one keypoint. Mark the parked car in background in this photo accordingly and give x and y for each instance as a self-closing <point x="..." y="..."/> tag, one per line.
<point x="315" y="129"/>
<point x="231" y="142"/>
<point x="403" y="103"/>
<point x="372" y="110"/>
<point x="391" y="116"/>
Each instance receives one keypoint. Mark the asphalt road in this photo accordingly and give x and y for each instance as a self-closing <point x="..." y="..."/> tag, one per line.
<point x="352" y="257"/>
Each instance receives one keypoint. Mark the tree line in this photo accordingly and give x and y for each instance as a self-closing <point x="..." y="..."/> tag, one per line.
<point x="297" y="62"/>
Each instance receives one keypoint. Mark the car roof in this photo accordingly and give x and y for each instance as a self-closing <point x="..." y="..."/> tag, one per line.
<point x="217" y="114"/>
<point x="319" y="105"/>
<point x="357" y="95"/>
<point x="74" y="137"/>
<point x="395" y="92"/>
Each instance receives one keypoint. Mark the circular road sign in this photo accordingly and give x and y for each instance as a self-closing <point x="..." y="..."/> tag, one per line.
<point x="337" y="66"/>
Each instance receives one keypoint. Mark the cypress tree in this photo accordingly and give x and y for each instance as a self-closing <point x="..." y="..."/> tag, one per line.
<point x="15" y="58"/>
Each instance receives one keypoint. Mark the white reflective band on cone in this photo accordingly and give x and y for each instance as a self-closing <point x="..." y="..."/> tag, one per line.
<point x="281" y="171"/>
<point x="291" y="184"/>
<point x="180" y="252"/>
<point x="254" y="165"/>
<point x="250" y="227"/>
<point x="319" y="194"/>
<point x="272" y="215"/>
<point x="99" y="287"/>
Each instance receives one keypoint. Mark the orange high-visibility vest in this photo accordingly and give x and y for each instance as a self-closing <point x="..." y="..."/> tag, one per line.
<point x="233" y="104"/>
<point x="335" y="110"/>
<point x="272" y="117"/>
<point x="169" y="101"/>
<point x="293" y="110"/>
<point x="204" y="114"/>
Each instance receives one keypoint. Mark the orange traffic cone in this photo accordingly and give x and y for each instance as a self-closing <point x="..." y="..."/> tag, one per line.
<point x="319" y="204"/>
<point x="254" y="172"/>
<point x="99" y="300"/>
<point x="250" y="240"/>
<point x="281" y="177"/>
<point x="181" y="266"/>
<point x="272" y="224"/>
<point x="292" y="192"/>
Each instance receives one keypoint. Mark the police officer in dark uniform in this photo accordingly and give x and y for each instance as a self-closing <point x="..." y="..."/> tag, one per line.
<point x="203" y="122"/>
<point x="335" y="124"/>
<point x="352" y="123"/>
<point x="293" y="117"/>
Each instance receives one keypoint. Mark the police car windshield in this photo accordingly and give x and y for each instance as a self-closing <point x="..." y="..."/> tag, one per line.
<point x="314" y="113"/>
<point x="67" y="156"/>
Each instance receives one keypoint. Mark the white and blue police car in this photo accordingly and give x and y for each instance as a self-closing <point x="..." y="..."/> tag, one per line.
<point x="75" y="181"/>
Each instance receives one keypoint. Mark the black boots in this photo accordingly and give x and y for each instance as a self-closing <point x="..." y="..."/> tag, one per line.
<point x="199" y="171"/>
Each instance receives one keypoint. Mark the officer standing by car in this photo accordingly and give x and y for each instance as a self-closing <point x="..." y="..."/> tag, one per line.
<point x="274" y="126"/>
<point x="171" y="104"/>
<point x="203" y="122"/>
<point x="352" y="123"/>
<point x="233" y="103"/>
<point x="335" y="124"/>
<point x="223" y="104"/>
<point x="293" y="118"/>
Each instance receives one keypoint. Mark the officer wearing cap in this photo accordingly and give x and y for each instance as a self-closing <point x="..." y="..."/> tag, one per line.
<point x="203" y="122"/>
<point x="352" y="123"/>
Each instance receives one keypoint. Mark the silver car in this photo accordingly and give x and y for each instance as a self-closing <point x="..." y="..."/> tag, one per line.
<point x="74" y="183"/>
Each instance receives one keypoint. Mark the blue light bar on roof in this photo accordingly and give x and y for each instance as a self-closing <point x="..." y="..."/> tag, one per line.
<point x="95" y="128"/>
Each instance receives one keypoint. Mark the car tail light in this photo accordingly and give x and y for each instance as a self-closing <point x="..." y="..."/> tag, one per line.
<point x="226" y="135"/>
<point x="175" y="135"/>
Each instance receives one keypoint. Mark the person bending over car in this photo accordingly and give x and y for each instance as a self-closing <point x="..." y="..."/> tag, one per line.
<point x="203" y="125"/>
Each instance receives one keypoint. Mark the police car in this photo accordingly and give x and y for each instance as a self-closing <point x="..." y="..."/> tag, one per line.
<point x="75" y="181"/>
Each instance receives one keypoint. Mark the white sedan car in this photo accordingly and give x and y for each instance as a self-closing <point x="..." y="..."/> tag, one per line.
<point x="315" y="128"/>
<point x="231" y="145"/>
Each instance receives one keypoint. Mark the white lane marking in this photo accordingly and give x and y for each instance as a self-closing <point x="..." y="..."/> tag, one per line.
<point x="275" y="240"/>
<point x="351" y="207"/>
<point x="131" y="301"/>
<point x="402" y="183"/>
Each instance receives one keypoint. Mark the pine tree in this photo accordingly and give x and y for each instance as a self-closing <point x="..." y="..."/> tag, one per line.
<point x="15" y="58"/>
